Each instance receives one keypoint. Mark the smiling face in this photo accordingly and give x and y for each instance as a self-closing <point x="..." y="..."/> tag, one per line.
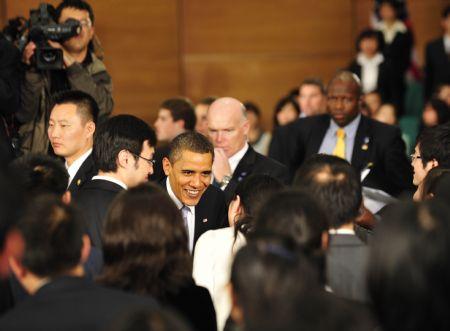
<point x="80" y="42"/>
<point x="189" y="175"/>
<point x="69" y="133"/>
<point x="343" y="101"/>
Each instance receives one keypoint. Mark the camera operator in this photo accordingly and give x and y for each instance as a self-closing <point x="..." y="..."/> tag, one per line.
<point x="83" y="70"/>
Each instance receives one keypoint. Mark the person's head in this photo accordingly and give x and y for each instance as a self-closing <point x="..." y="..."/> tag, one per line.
<point x="189" y="166"/>
<point x="388" y="10"/>
<point x="436" y="112"/>
<point x="443" y="93"/>
<point x="253" y="115"/>
<point x="55" y="243"/>
<point x="344" y="96"/>
<point x="286" y="111"/>
<point x="334" y="184"/>
<point x="312" y="97"/>
<point x="145" y="244"/>
<point x="228" y="125"/>
<point x="432" y="150"/>
<point x="123" y="146"/>
<point x="175" y="116"/>
<point x="37" y="174"/>
<point x="373" y="102"/>
<point x="71" y="125"/>
<point x="386" y="114"/>
<point x="250" y="194"/>
<point x="369" y="42"/>
<point x="268" y="280"/>
<point x="81" y="11"/>
<point x="201" y="112"/>
<point x="446" y="20"/>
<point x="409" y="271"/>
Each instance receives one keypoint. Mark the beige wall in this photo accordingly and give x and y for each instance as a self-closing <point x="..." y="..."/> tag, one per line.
<point x="251" y="49"/>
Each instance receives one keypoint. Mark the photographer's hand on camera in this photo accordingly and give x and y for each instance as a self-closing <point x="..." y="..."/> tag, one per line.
<point x="28" y="52"/>
<point x="67" y="57"/>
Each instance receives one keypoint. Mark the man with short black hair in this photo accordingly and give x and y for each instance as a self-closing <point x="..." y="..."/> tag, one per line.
<point x="337" y="188"/>
<point x="51" y="271"/>
<point x="189" y="169"/>
<point x="71" y="128"/>
<point x="123" y="153"/>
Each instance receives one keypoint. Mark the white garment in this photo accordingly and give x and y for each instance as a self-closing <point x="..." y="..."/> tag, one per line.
<point x="447" y="44"/>
<point x="213" y="257"/>
<point x="369" y="71"/>
<point x="190" y="215"/>
<point x="389" y="32"/>
<point x="112" y="180"/>
<point x="75" y="166"/>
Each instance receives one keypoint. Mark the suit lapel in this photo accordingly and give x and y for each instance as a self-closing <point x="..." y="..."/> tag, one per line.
<point x="84" y="174"/>
<point x="362" y="144"/>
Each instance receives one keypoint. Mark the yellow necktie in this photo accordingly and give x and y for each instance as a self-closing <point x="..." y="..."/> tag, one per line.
<point x="339" y="149"/>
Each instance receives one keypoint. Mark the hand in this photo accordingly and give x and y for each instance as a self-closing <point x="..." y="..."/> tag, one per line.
<point x="28" y="52"/>
<point x="67" y="58"/>
<point x="221" y="166"/>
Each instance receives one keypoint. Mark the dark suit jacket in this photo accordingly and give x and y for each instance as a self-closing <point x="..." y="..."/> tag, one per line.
<point x="437" y="66"/>
<point x="158" y="171"/>
<point x="255" y="163"/>
<point x="210" y="212"/>
<point x="347" y="258"/>
<point x="383" y="82"/>
<point x="93" y="201"/>
<point x="83" y="175"/>
<point x="377" y="146"/>
<point x="71" y="303"/>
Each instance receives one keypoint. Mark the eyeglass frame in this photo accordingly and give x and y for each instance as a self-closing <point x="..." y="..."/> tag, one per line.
<point x="414" y="157"/>
<point x="151" y="162"/>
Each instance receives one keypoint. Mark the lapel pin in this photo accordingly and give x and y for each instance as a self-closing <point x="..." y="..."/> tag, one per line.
<point x="78" y="182"/>
<point x="365" y="145"/>
<point x="205" y="220"/>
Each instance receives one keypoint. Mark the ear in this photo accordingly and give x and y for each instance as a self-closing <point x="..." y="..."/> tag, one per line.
<point x="180" y="124"/>
<point x="86" y="249"/>
<point x="325" y="240"/>
<point x="167" y="167"/>
<point x="67" y="197"/>
<point x="434" y="163"/>
<point x="246" y="127"/>
<point x="123" y="159"/>
<point x="90" y="126"/>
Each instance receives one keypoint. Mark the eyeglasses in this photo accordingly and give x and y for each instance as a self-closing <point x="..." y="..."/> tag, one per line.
<point x="149" y="161"/>
<point x="414" y="157"/>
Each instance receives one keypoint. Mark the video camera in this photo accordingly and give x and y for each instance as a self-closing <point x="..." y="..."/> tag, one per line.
<point x="40" y="28"/>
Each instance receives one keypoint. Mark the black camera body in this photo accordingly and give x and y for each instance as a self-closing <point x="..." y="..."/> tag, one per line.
<point x="42" y="26"/>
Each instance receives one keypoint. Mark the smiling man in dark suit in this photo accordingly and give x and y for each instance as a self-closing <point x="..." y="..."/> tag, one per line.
<point x="374" y="149"/>
<point x="234" y="158"/>
<point x="188" y="169"/>
<point x="71" y="133"/>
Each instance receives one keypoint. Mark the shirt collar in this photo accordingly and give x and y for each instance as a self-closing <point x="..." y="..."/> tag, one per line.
<point x="447" y="43"/>
<point x="363" y="60"/>
<point x="174" y="198"/>
<point x="75" y="166"/>
<point x="350" y="128"/>
<point x="112" y="180"/>
<point x="236" y="158"/>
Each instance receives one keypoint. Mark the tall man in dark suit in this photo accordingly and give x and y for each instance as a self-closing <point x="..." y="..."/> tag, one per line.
<point x="51" y="271"/>
<point x="234" y="158"/>
<point x="123" y="152"/>
<point x="374" y="149"/>
<point x="188" y="169"/>
<point x="437" y="58"/>
<point x="71" y="130"/>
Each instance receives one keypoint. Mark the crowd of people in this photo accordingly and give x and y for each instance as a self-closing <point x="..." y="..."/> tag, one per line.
<point x="207" y="222"/>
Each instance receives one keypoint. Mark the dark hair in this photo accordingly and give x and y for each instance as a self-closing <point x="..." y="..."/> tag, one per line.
<point x="370" y="34"/>
<point x="189" y="141"/>
<point x="409" y="271"/>
<point x="77" y="4"/>
<point x="253" y="108"/>
<point x="145" y="243"/>
<point x="432" y="181"/>
<point x="181" y="109"/>
<point x="155" y="319"/>
<point x="38" y="173"/>
<point x="268" y="279"/>
<point x="53" y="234"/>
<point x="446" y="12"/>
<point x="313" y="81"/>
<point x="86" y="105"/>
<point x="207" y="101"/>
<point x="335" y="185"/>
<point x="442" y="110"/>
<point x="434" y="144"/>
<point x="121" y="132"/>
<point x="253" y="191"/>
<point x="289" y="99"/>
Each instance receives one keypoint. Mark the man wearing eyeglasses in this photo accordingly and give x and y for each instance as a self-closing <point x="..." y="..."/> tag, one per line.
<point x="123" y="153"/>
<point x="83" y="70"/>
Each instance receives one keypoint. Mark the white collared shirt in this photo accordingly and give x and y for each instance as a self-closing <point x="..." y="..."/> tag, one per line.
<point x="369" y="71"/>
<point x="112" y="180"/>
<point x="190" y="216"/>
<point x="75" y="166"/>
<point x="447" y="44"/>
<point x="236" y="158"/>
<point x="342" y="231"/>
<point x="389" y="32"/>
